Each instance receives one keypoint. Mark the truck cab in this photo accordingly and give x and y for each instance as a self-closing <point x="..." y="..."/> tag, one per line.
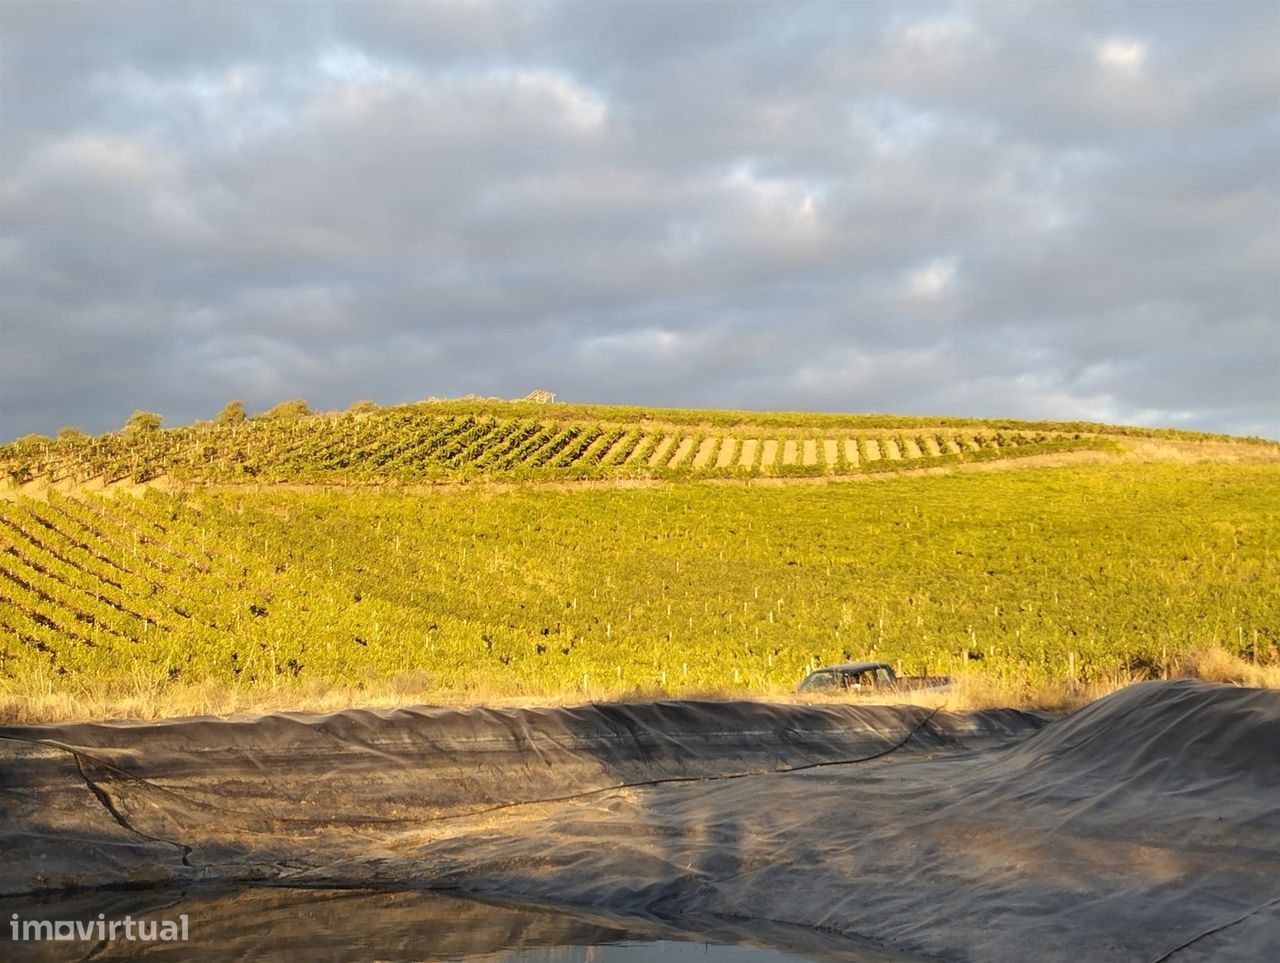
<point x="852" y="676"/>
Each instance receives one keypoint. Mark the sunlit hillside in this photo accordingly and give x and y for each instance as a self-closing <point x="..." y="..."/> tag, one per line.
<point x="474" y="441"/>
<point x="371" y="555"/>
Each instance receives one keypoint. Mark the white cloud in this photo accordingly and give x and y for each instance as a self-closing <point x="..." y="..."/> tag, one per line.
<point x="581" y="107"/>
<point x="934" y="36"/>
<point x="352" y="83"/>
<point x="892" y="127"/>
<point x="236" y="80"/>
<point x="351" y="66"/>
<point x="932" y="280"/>
<point x="853" y="372"/>
<point x="105" y="156"/>
<point x="228" y="104"/>
<point x="618" y="204"/>
<point x="645" y="343"/>
<point x="1123" y="56"/>
<point x="789" y="197"/>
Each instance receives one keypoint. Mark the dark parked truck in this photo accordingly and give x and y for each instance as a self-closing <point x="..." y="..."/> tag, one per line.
<point x="869" y="677"/>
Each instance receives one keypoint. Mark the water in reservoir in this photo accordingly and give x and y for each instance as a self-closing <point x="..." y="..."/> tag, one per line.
<point x="292" y="923"/>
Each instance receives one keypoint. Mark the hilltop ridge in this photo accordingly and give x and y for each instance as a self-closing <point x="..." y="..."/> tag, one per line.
<point x="489" y="440"/>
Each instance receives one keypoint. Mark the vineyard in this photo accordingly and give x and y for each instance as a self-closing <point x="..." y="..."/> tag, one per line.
<point x="417" y="444"/>
<point x="1033" y="574"/>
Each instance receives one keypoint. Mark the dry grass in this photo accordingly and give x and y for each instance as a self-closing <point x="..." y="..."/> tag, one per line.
<point x="976" y="690"/>
<point x="1219" y="665"/>
<point x="144" y="696"/>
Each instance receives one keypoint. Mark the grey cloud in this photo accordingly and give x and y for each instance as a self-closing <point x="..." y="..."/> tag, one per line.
<point x="1071" y="211"/>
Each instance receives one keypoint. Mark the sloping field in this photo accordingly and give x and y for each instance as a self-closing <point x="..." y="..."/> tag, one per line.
<point x="1065" y="574"/>
<point x="1143" y="827"/>
<point x="453" y="442"/>
<point x="435" y="449"/>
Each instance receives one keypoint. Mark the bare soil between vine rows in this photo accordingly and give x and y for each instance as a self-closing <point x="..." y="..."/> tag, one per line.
<point x="1140" y="450"/>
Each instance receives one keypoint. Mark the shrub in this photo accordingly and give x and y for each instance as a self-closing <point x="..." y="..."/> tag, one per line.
<point x="289" y="410"/>
<point x="232" y="412"/>
<point x="142" y="422"/>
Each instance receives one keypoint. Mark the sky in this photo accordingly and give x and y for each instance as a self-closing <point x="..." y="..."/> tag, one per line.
<point x="1042" y="211"/>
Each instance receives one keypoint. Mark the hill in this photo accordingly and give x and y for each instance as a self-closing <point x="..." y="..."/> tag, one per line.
<point x="358" y="567"/>
<point x="488" y="441"/>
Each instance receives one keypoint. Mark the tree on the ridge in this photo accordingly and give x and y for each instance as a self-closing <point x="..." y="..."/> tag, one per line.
<point x="71" y="433"/>
<point x="288" y="410"/>
<point x="142" y="422"/>
<point x="362" y="407"/>
<point x="232" y="412"/>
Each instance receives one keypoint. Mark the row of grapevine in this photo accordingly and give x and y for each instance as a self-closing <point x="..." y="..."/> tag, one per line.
<point x="675" y="588"/>
<point x="413" y="444"/>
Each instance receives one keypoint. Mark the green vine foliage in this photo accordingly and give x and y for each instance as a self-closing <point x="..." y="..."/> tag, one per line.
<point x="681" y="587"/>
<point x="443" y="443"/>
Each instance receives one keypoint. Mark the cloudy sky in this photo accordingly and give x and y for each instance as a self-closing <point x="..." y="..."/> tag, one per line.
<point x="992" y="209"/>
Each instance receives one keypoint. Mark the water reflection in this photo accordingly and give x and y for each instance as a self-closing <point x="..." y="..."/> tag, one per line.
<point x="648" y="951"/>
<point x="289" y="924"/>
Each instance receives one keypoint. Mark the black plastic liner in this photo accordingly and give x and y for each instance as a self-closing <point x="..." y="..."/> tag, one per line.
<point x="1145" y="826"/>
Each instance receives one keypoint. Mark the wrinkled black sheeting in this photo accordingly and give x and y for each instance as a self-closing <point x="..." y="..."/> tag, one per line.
<point x="96" y="804"/>
<point x="1144" y="825"/>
